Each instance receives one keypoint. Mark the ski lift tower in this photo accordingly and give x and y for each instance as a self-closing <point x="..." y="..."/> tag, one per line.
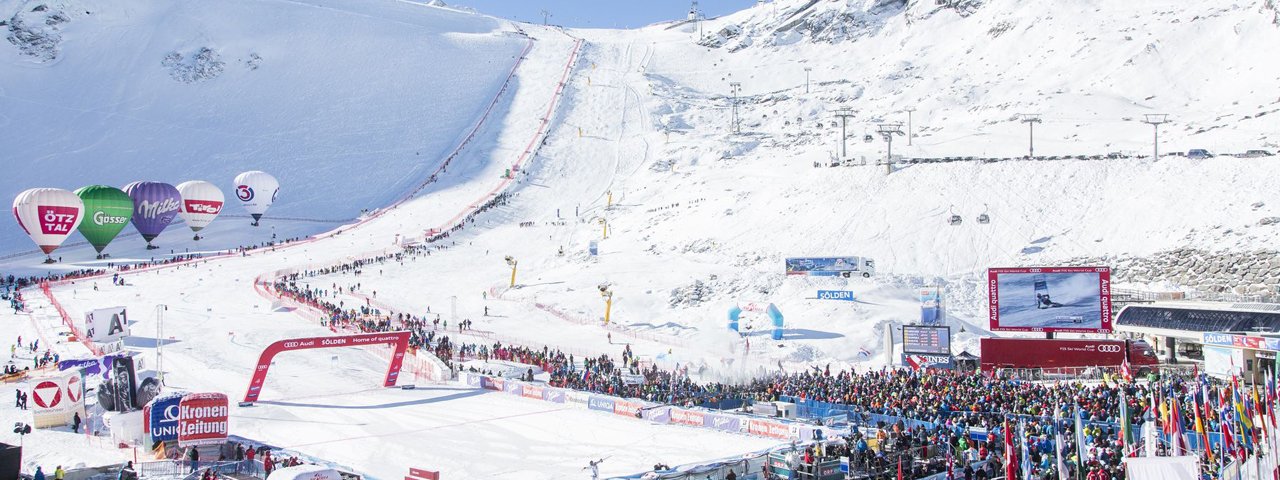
<point x="735" y="88"/>
<point x="888" y="130"/>
<point x="843" y="114"/>
<point x="694" y="16"/>
<point x="1155" y="120"/>
<point x="1031" y="119"/>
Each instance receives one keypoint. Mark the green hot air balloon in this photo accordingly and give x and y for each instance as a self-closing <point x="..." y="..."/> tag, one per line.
<point x="107" y="210"/>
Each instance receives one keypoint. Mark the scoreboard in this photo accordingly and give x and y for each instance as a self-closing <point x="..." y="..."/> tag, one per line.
<point x="926" y="340"/>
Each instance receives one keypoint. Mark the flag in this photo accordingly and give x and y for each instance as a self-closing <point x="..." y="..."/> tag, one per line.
<point x="1125" y="371"/>
<point x="1026" y="455"/>
<point x="1175" y="421"/>
<point x="1080" y="438"/>
<point x="1199" y="426"/>
<point x="899" y="467"/>
<point x="1126" y="427"/>
<point x="1010" y="470"/>
<point x="951" y="467"/>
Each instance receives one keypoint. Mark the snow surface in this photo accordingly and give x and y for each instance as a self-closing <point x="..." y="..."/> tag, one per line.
<point x="698" y="219"/>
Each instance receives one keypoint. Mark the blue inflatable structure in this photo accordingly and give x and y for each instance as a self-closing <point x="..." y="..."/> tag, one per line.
<point x="775" y="317"/>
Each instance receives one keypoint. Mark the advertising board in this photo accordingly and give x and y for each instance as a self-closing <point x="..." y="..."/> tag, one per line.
<point x="1050" y="299"/>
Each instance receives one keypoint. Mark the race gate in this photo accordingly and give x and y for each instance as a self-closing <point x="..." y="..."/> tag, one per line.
<point x="399" y="340"/>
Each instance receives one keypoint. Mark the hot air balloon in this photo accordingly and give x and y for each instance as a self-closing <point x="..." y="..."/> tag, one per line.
<point x="256" y="191"/>
<point x="154" y="206"/>
<point x="48" y="215"/>
<point x="201" y="202"/>
<point x="106" y="210"/>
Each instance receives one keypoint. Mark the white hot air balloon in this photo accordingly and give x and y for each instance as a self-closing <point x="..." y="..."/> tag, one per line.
<point x="48" y="215"/>
<point x="201" y="203"/>
<point x="256" y="191"/>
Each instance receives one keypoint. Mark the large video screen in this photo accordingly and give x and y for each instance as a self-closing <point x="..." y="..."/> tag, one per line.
<point x="925" y="340"/>
<point x="1050" y="299"/>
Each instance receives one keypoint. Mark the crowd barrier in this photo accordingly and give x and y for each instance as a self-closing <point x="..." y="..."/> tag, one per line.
<point x="655" y="412"/>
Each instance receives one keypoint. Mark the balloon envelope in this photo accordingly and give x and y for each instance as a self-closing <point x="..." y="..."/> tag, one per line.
<point x="154" y="206"/>
<point x="256" y="191"/>
<point x="201" y="203"/>
<point x="48" y="215"/>
<point x="107" y="210"/>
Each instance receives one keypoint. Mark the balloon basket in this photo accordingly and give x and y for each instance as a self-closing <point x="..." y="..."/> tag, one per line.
<point x="196" y="238"/>
<point x="152" y="247"/>
<point x="49" y="260"/>
<point x="101" y="256"/>
<point x="255" y="223"/>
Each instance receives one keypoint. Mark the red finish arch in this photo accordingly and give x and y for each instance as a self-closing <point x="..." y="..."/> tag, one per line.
<point x="400" y="340"/>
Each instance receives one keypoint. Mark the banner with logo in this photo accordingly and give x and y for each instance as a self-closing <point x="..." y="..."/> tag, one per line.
<point x="89" y="366"/>
<point x="512" y="387"/>
<point x="1050" y="299"/>
<point x="658" y="414"/>
<point x="532" y="391"/>
<point x="843" y="295"/>
<point x="106" y="324"/>
<point x="553" y="395"/>
<point x="162" y="420"/>
<point x="691" y="418"/>
<point x="125" y="380"/>
<point x="726" y="423"/>
<point x="55" y="399"/>
<point x="600" y="403"/>
<point x="577" y="399"/>
<point x="626" y="408"/>
<point x="769" y="428"/>
<point x="827" y="266"/>
<point x="202" y="419"/>
<point x="931" y="312"/>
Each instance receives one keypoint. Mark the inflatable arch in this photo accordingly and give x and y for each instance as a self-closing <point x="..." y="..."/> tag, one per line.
<point x="769" y="309"/>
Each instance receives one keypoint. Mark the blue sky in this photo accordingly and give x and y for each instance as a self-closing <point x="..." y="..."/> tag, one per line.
<point x="600" y="13"/>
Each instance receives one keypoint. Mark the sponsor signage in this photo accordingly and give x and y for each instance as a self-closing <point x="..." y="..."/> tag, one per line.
<point x="926" y="340"/>
<point x="823" y="266"/>
<point x="658" y="415"/>
<point x="626" y="408"/>
<point x="1241" y="341"/>
<point x="398" y="340"/>
<point x="931" y="312"/>
<point x="202" y="419"/>
<point x="577" y="399"/>
<point x="513" y="388"/>
<point x="600" y="403"/>
<point x="532" y="391"/>
<point x="768" y="428"/>
<point x="554" y="395"/>
<point x="106" y="324"/>
<point x="722" y="422"/>
<point x="202" y="206"/>
<point x="917" y="362"/>
<point x="102" y="218"/>
<point x="56" y="220"/>
<point x="163" y="418"/>
<point x="844" y="295"/>
<point x="687" y="417"/>
<point x="1050" y="299"/>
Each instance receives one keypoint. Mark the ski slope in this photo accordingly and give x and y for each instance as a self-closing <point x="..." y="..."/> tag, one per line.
<point x="351" y="106"/>
<point x="623" y="138"/>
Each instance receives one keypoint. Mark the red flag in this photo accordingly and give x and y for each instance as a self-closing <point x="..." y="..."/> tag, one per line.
<point x="1010" y="467"/>
<point x="899" y="467"/>
<point x="951" y="467"/>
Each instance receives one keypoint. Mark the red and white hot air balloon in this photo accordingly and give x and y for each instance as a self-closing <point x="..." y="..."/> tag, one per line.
<point x="201" y="203"/>
<point x="48" y="215"/>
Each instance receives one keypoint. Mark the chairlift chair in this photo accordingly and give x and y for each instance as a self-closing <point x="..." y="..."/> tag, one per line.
<point x="984" y="218"/>
<point x="955" y="220"/>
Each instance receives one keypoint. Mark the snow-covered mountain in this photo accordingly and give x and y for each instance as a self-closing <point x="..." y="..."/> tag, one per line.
<point x="350" y="104"/>
<point x="625" y="138"/>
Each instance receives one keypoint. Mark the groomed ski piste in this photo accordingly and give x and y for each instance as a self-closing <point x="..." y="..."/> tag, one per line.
<point x="621" y="137"/>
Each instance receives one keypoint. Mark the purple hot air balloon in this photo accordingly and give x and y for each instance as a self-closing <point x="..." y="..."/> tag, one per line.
<point x="154" y="206"/>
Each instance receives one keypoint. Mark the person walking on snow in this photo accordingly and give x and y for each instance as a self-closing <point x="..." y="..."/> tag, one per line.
<point x="594" y="466"/>
<point x="39" y="474"/>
